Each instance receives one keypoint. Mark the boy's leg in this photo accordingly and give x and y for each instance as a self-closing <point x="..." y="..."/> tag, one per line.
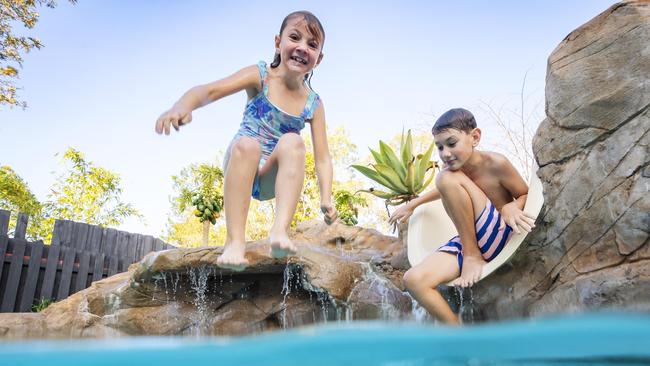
<point x="245" y="154"/>
<point x="421" y="282"/>
<point x="288" y="159"/>
<point x="464" y="201"/>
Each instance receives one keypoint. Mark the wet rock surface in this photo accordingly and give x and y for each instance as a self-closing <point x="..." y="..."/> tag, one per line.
<point x="590" y="248"/>
<point x="340" y="273"/>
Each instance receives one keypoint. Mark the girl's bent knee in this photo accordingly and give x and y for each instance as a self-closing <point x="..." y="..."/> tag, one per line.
<point x="292" y="141"/>
<point x="246" y="146"/>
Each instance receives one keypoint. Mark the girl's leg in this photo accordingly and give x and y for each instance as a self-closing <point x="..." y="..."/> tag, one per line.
<point x="245" y="155"/>
<point x="421" y="282"/>
<point x="287" y="163"/>
<point x="464" y="201"/>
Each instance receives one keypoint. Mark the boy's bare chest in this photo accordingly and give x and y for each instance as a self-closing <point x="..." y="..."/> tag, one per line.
<point x="494" y="191"/>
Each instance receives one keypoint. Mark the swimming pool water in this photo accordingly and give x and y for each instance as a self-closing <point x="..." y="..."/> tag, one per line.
<point x="594" y="339"/>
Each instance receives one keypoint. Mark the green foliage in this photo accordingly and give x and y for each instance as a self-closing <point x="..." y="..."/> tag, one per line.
<point x="404" y="176"/>
<point x="15" y="194"/>
<point x="198" y="187"/>
<point x="42" y="304"/>
<point x="83" y="193"/>
<point x="14" y="12"/>
<point x="16" y="197"/>
<point x="86" y="193"/>
<point x="347" y="204"/>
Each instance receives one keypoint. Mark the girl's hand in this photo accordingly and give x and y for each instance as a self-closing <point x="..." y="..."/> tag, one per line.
<point x="330" y="212"/>
<point x="401" y="214"/>
<point x="516" y="218"/>
<point x="176" y="117"/>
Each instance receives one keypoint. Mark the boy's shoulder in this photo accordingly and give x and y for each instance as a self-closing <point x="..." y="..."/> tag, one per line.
<point x="496" y="162"/>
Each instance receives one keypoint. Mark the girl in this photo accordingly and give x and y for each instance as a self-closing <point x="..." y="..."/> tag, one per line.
<point x="266" y="158"/>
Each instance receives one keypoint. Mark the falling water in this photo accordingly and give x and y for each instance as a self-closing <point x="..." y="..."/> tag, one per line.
<point x="465" y="304"/>
<point x="418" y="313"/>
<point x="381" y="286"/>
<point x="113" y="305"/>
<point x="199" y="285"/>
<point x="286" y="290"/>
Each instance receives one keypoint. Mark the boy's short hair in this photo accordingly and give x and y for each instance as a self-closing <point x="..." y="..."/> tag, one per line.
<point x="457" y="118"/>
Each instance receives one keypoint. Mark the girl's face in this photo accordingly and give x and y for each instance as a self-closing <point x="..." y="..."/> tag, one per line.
<point x="299" y="49"/>
<point x="455" y="147"/>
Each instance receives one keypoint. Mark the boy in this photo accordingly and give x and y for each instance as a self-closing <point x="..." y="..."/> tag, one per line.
<point x="483" y="195"/>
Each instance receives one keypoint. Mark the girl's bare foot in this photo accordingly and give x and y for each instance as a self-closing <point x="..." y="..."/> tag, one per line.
<point x="281" y="245"/>
<point x="233" y="257"/>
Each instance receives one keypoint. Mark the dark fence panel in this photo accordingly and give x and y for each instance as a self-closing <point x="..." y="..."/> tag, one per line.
<point x="128" y="247"/>
<point x="78" y="255"/>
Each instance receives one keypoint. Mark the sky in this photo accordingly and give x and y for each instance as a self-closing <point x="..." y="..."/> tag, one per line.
<point x="110" y="68"/>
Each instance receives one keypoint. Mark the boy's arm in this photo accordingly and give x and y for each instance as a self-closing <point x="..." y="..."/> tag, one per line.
<point x="323" y="163"/>
<point x="405" y="211"/>
<point x="198" y="96"/>
<point x="512" y="213"/>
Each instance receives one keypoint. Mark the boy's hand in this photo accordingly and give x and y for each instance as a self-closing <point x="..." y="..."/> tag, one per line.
<point x="330" y="213"/>
<point x="401" y="214"/>
<point x="175" y="117"/>
<point x="516" y="218"/>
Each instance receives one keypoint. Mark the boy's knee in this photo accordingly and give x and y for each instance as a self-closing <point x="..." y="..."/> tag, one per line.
<point x="246" y="146"/>
<point x="412" y="279"/>
<point x="449" y="179"/>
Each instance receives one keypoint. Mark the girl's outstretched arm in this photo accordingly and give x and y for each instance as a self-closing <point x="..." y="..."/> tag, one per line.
<point x="323" y="162"/>
<point x="181" y="112"/>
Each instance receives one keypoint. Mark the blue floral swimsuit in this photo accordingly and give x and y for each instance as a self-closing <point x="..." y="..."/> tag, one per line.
<point x="266" y="123"/>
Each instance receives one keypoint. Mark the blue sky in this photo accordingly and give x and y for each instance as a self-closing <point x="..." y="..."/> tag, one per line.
<point x="109" y="68"/>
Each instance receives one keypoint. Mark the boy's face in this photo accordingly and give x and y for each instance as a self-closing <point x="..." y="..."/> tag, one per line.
<point x="455" y="146"/>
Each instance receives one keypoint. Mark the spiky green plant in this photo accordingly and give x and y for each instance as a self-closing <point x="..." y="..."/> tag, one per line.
<point x="404" y="177"/>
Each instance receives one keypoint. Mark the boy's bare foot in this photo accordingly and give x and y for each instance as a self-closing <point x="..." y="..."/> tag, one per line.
<point x="281" y="245"/>
<point x="472" y="269"/>
<point x="233" y="257"/>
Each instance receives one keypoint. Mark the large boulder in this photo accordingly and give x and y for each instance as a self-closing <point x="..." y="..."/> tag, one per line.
<point x="590" y="248"/>
<point x="339" y="273"/>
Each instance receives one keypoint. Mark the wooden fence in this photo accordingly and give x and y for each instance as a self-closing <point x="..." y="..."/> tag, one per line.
<point x="79" y="255"/>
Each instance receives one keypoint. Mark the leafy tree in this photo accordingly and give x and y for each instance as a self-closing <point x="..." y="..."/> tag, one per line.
<point x="347" y="204"/>
<point x="197" y="186"/>
<point x="11" y="46"/>
<point x="15" y="194"/>
<point x="16" y="197"/>
<point x="86" y="193"/>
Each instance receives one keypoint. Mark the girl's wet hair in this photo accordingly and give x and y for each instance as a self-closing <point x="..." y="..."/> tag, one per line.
<point x="315" y="28"/>
<point x="457" y="118"/>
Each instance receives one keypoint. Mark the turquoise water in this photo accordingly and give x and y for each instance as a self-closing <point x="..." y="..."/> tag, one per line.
<point x="597" y="339"/>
